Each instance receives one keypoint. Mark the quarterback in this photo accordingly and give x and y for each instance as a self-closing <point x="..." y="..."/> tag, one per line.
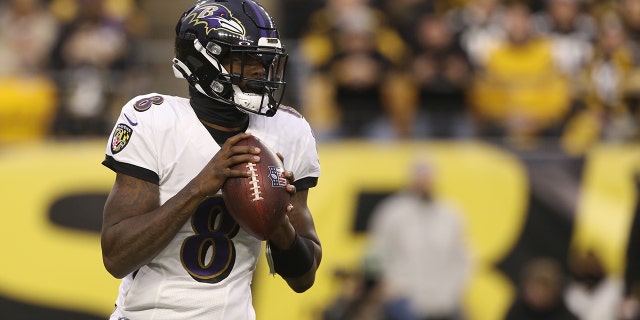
<point x="166" y="230"/>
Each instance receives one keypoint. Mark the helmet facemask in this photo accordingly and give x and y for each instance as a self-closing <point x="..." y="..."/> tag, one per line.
<point x="256" y="77"/>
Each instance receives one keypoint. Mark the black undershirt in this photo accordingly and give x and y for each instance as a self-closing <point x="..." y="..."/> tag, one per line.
<point x="215" y="112"/>
<point x="221" y="136"/>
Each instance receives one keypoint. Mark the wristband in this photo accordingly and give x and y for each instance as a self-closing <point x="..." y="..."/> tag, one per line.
<point x="293" y="262"/>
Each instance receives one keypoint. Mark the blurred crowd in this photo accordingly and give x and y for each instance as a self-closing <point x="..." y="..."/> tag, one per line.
<point x="64" y="64"/>
<point x="523" y="71"/>
<point x="565" y="71"/>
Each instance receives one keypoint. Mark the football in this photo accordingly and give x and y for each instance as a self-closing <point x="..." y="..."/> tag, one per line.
<point x="259" y="201"/>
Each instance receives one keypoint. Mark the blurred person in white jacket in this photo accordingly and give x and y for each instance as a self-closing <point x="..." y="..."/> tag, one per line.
<point x="592" y="293"/>
<point x="418" y="243"/>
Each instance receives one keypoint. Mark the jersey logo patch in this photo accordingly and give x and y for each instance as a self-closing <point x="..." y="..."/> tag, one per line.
<point x="121" y="136"/>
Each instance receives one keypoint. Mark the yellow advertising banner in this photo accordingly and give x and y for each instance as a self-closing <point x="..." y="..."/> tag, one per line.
<point x="47" y="264"/>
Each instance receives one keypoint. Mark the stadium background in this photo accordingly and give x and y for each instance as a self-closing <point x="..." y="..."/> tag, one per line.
<point x="53" y="189"/>
<point x="52" y="196"/>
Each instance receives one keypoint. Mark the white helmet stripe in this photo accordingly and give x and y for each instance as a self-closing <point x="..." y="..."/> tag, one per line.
<point x="215" y="63"/>
<point x="180" y="70"/>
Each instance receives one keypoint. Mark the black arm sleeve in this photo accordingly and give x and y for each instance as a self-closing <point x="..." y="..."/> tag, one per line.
<point x="296" y="260"/>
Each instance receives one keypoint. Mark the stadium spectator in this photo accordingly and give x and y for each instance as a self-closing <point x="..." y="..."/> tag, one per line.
<point x="27" y="34"/>
<point x="403" y="14"/>
<point x="604" y="81"/>
<point x="540" y="294"/>
<point x="442" y="72"/>
<point x="28" y="96"/>
<point x="90" y="57"/>
<point x="355" y="89"/>
<point x="592" y="292"/>
<point x="629" y="11"/>
<point x="478" y="27"/>
<point x="418" y="244"/>
<point x="520" y="93"/>
<point x="572" y="32"/>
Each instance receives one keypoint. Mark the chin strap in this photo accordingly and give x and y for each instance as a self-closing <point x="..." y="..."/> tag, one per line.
<point x="250" y="102"/>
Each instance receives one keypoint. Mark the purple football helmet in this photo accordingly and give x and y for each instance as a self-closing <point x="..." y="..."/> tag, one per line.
<point x="210" y="32"/>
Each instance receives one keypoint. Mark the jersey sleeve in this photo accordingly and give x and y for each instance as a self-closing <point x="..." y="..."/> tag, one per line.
<point x="131" y="148"/>
<point x="304" y="162"/>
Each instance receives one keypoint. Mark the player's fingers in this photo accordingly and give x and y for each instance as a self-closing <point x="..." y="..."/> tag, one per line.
<point x="242" y="158"/>
<point x="244" y="149"/>
<point x="280" y="156"/>
<point x="289" y="175"/>
<point x="235" y="139"/>
<point x="236" y="173"/>
<point x="291" y="189"/>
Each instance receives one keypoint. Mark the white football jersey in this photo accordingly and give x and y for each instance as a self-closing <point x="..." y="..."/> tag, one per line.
<point x="206" y="270"/>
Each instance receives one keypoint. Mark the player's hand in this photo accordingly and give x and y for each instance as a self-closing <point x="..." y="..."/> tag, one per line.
<point x="290" y="179"/>
<point x="285" y="233"/>
<point x="218" y="170"/>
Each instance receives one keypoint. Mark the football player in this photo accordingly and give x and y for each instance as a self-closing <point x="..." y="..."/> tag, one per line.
<point x="166" y="231"/>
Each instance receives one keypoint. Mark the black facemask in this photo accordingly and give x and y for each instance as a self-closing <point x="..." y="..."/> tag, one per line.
<point x="216" y="112"/>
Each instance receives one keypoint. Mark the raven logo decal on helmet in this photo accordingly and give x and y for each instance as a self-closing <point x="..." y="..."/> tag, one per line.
<point x="215" y="17"/>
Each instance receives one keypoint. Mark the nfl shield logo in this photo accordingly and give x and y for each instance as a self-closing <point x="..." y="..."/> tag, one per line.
<point x="276" y="175"/>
